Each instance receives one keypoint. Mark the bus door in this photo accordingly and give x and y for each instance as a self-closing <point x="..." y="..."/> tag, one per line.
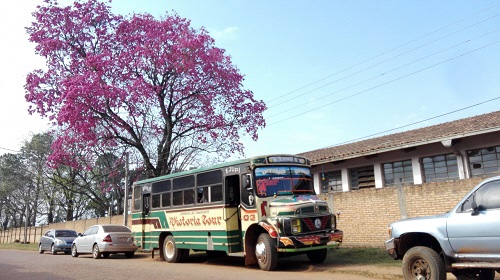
<point x="248" y="210"/>
<point x="233" y="225"/>
<point x="146" y="207"/>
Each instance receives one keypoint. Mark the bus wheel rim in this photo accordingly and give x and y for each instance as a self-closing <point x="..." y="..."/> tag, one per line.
<point x="260" y="252"/>
<point x="170" y="249"/>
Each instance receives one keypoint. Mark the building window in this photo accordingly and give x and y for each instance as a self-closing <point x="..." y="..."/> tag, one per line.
<point x="484" y="162"/>
<point x="362" y="177"/>
<point x="331" y="181"/>
<point x="398" y="173"/>
<point x="440" y="168"/>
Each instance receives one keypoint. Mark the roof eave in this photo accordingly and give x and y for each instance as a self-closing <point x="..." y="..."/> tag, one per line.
<point x="398" y="147"/>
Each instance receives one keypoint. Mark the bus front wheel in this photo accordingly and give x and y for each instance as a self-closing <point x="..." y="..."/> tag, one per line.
<point x="266" y="253"/>
<point x="171" y="253"/>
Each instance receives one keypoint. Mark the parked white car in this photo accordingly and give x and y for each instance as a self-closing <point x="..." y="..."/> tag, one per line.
<point x="103" y="240"/>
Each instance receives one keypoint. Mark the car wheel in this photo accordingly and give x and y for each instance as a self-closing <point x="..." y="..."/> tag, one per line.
<point x="266" y="253"/>
<point x="95" y="252"/>
<point x="423" y="263"/>
<point x="317" y="256"/>
<point x="129" y="254"/>
<point x="74" y="252"/>
<point x="171" y="253"/>
<point x="474" y="274"/>
<point x="40" y="251"/>
<point x="53" y="250"/>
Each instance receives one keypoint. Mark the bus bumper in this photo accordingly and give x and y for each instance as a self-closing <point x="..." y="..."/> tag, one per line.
<point x="291" y="244"/>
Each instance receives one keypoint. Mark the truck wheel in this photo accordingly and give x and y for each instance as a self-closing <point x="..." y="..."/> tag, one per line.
<point x="423" y="263"/>
<point x="266" y="253"/>
<point x="474" y="274"/>
<point x="317" y="256"/>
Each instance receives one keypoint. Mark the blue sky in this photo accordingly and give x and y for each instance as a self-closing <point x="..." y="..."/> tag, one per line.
<point x="330" y="71"/>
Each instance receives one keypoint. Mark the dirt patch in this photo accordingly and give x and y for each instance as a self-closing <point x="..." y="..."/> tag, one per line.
<point x="370" y="271"/>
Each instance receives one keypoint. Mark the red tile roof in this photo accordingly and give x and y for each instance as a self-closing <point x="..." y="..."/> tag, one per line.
<point x="460" y="128"/>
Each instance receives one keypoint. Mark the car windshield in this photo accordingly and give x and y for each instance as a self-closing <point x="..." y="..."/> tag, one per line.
<point x="283" y="180"/>
<point x="66" y="233"/>
<point x="115" y="229"/>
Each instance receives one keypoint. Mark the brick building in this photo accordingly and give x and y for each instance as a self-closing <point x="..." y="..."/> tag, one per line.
<point x="425" y="171"/>
<point x="460" y="149"/>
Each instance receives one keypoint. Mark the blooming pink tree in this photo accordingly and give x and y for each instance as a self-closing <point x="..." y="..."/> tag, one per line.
<point x="156" y="87"/>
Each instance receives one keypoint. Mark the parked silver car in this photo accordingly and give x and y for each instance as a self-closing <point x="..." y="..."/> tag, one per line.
<point x="104" y="240"/>
<point x="57" y="240"/>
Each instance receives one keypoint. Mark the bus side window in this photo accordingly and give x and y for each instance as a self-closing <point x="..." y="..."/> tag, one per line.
<point x="137" y="197"/>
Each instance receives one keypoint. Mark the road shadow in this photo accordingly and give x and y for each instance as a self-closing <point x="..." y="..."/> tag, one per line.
<point x="294" y="263"/>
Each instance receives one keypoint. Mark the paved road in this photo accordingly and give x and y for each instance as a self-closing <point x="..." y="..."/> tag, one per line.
<point x="31" y="265"/>
<point x="28" y="265"/>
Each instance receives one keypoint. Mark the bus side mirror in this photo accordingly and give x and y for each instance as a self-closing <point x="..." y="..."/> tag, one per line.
<point x="248" y="184"/>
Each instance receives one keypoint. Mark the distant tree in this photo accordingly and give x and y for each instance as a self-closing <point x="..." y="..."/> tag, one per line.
<point x="155" y="86"/>
<point x="35" y="153"/>
<point x="15" y="190"/>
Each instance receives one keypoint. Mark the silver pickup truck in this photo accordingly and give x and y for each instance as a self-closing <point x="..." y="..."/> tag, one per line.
<point x="464" y="241"/>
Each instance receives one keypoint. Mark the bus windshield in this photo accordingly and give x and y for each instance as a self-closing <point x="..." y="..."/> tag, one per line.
<point x="283" y="180"/>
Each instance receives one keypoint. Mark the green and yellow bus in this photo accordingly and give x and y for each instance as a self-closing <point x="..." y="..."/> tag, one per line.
<point x="262" y="207"/>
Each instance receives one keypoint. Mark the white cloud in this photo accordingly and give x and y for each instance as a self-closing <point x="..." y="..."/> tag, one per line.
<point x="227" y="34"/>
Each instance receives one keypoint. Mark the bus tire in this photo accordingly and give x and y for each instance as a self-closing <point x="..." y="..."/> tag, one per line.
<point x="266" y="253"/>
<point x="171" y="253"/>
<point x="317" y="256"/>
<point x="185" y="255"/>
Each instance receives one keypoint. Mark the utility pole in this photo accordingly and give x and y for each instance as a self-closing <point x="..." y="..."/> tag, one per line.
<point x="125" y="203"/>
<point x="26" y="200"/>
<point x="26" y="224"/>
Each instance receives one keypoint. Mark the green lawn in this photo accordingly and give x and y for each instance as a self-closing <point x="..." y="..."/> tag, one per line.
<point x="19" y="246"/>
<point x="361" y="256"/>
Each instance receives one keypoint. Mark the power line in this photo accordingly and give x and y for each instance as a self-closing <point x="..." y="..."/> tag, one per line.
<point x="386" y="83"/>
<point x="389" y="59"/>
<point x="10" y="150"/>
<point x="414" y="123"/>
<point x="383" y="53"/>
<point x="384" y="73"/>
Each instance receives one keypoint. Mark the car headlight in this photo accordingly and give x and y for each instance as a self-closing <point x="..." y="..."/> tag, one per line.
<point x="60" y="242"/>
<point x="296" y="227"/>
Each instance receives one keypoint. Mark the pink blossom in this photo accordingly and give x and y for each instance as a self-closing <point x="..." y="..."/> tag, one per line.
<point x="158" y="86"/>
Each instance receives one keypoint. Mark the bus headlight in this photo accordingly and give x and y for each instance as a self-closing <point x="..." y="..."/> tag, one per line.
<point x="334" y="221"/>
<point x="296" y="227"/>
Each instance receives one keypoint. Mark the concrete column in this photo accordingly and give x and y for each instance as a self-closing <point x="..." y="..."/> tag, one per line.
<point x="345" y="180"/>
<point x="379" y="178"/>
<point x="417" y="171"/>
